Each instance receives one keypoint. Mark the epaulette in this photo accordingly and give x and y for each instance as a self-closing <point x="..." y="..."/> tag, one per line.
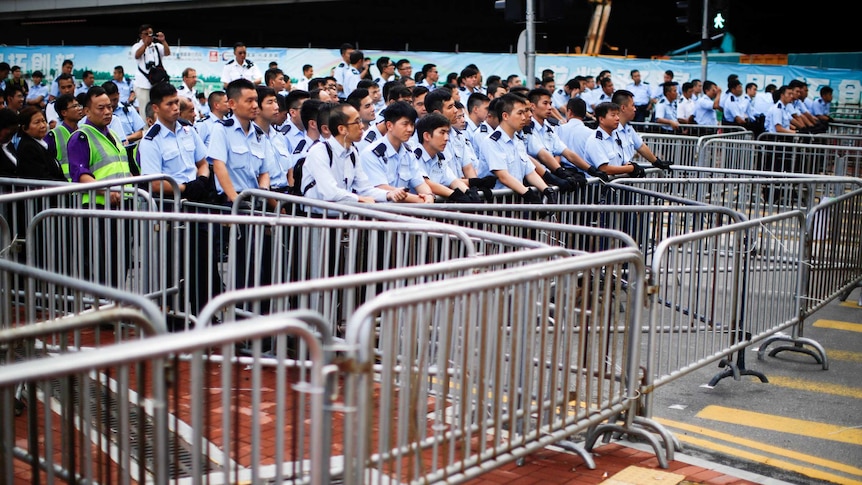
<point x="184" y="122"/>
<point x="496" y="135"/>
<point x="153" y="131"/>
<point x="529" y="128"/>
<point x="662" y="100"/>
<point x="462" y="88"/>
<point x="286" y="129"/>
<point x="340" y="64"/>
<point x="249" y="64"/>
<point x="520" y="136"/>
<point x="440" y="156"/>
<point x="299" y="147"/>
<point x="370" y="136"/>
<point x="353" y="70"/>
<point x="560" y="91"/>
<point x="598" y="135"/>
<point x="227" y="122"/>
<point x="230" y="62"/>
<point x="732" y="99"/>
<point x="457" y="131"/>
<point x="258" y="130"/>
<point x="380" y="150"/>
<point x="205" y="117"/>
<point x="377" y="81"/>
<point x="418" y="153"/>
<point x="483" y="128"/>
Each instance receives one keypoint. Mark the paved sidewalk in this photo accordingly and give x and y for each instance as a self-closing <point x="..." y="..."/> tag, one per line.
<point x="619" y="463"/>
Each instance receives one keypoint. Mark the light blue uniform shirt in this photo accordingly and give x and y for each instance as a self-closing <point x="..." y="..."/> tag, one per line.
<point x="704" y="113"/>
<point x="459" y="152"/>
<point x="38" y="90"/>
<point x="560" y="99"/>
<point x="386" y="166"/>
<point x="292" y="133"/>
<point x="666" y="110"/>
<point x="435" y="168"/>
<point x="574" y="134"/>
<point x="542" y="135"/>
<point x="777" y="115"/>
<point x="604" y="149"/>
<point x="126" y="87"/>
<point x="505" y="153"/>
<point x="173" y="153"/>
<point x="282" y="159"/>
<point x="246" y="156"/>
<point x="130" y="120"/>
<point x="642" y="92"/>
<point x="630" y="141"/>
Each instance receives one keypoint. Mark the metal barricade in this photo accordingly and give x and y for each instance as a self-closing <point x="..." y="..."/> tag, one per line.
<point x="844" y="128"/>
<point x="148" y="256"/>
<point x="716" y="291"/>
<point x="161" y="410"/>
<point x="746" y="192"/>
<point x="832" y="268"/>
<point x="336" y="298"/>
<point x="458" y="376"/>
<point x="779" y="153"/>
<point x="684" y="149"/>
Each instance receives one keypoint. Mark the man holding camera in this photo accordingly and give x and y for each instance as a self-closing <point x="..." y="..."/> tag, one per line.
<point x="149" y="52"/>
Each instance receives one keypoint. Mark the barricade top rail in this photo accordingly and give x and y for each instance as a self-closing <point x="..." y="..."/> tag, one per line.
<point x="754" y="176"/>
<point x="812" y="220"/>
<point x="727" y="129"/>
<point x="347" y="281"/>
<point x="61" y="188"/>
<point x="165" y="345"/>
<point x="79" y="322"/>
<point x="662" y="246"/>
<point x="359" y="335"/>
<point x="760" y="142"/>
<point x="412" y="226"/>
<point x="373" y="214"/>
<point x="150" y="309"/>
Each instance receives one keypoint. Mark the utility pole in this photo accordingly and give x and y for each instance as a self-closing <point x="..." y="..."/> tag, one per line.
<point x="531" y="43"/>
<point x="704" y="39"/>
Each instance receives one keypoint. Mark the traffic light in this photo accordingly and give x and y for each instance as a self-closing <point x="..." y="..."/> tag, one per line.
<point x="692" y="15"/>
<point x="717" y="17"/>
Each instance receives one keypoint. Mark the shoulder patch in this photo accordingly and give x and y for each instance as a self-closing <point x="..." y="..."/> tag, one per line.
<point x="418" y="153"/>
<point x="258" y="130"/>
<point x="249" y="64"/>
<point x="230" y="62"/>
<point x="183" y="122"/>
<point x="340" y="64"/>
<point x="598" y="135"/>
<point x="441" y="157"/>
<point x="377" y="80"/>
<point x="206" y="117"/>
<point x="286" y="128"/>
<point x="496" y="135"/>
<point x="227" y="122"/>
<point x="370" y="136"/>
<point x="529" y="128"/>
<point x="732" y="99"/>
<point x="483" y="128"/>
<point x="380" y="150"/>
<point x="153" y="131"/>
<point x="299" y="147"/>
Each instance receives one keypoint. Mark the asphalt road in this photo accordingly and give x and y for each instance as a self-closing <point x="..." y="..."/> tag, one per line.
<point x="804" y="426"/>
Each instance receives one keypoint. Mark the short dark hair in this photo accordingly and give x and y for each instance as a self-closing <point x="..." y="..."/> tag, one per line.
<point x="382" y="62"/>
<point x="269" y="75"/>
<point x="401" y="62"/>
<point x="476" y="99"/>
<point x="110" y="88"/>
<point x="426" y="68"/>
<point x="356" y="96"/>
<point x="308" y="111"/>
<point x="398" y="110"/>
<point x="537" y="93"/>
<point x="435" y="99"/>
<point x="264" y="92"/>
<point x="337" y="117"/>
<point x="577" y="106"/>
<point x="365" y="84"/>
<point x="62" y="103"/>
<point x="429" y="123"/>
<point x="345" y="47"/>
<point x="398" y="91"/>
<point x="294" y="98"/>
<point x="67" y="62"/>
<point x="160" y="91"/>
<point x="238" y="45"/>
<point x="64" y="77"/>
<point x="601" y="110"/>
<point x="93" y="92"/>
<point x="507" y="103"/>
<point x="235" y="87"/>
<point x="213" y="98"/>
<point x="622" y="95"/>
<point x="356" y="56"/>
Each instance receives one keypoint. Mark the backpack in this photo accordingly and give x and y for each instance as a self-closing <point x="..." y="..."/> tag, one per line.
<point x="299" y="191"/>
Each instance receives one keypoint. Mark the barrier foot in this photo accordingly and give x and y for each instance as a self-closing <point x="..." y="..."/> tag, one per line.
<point x="584" y="454"/>
<point x="671" y="444"/>
<point x="736" y="370"/>
<point x="602" y="429"/>
<point x="799" y="345"/>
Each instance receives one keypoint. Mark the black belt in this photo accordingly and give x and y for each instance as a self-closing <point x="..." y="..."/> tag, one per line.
<point x="280" y="190"/>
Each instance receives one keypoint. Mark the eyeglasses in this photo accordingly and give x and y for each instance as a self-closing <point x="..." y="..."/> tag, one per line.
<point x="357" y="122"/>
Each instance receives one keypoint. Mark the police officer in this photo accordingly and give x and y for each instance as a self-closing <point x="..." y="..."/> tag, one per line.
<point x="354" y="72"/>
<point x="125" y="85"/>
<point x="506" y="154"/>
<point x="129" y="121"/>
<point x="240" y="67"/>
<point x="629" y="140"/>
<point x="266" y="119"/>
<point x="340" y="70"/>
<point x="604" y="150"/>
<point x="643" y="95"/>
<point x="433" y="130"/>
<point x="240" y="154"/>
<point x="390" y="163"/>
<point x="292" y="128"/>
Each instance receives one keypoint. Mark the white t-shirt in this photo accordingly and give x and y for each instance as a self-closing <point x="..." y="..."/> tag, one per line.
<point x="149" y="55"/>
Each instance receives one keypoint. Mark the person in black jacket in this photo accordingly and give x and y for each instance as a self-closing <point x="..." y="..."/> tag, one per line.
<point x="34" y="161"/>
<point x="8" y="158"/>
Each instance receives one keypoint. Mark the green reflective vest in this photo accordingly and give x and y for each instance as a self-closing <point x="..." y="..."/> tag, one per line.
<point x="61" y="138"/>
<point x="108" y="158"/>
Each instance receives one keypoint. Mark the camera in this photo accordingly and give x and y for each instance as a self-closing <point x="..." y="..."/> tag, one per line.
<point x="149" y="65"/>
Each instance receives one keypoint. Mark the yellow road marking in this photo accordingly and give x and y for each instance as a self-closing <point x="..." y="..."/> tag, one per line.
<point x="839" y="325"/>
<point x="806" y="385"/>
<point x="785" y="425"/>
<point x="851" y="304"/>
<point x="784" y="465"/>
<point x="844" y="355"/>
<point x="814" y="460"/>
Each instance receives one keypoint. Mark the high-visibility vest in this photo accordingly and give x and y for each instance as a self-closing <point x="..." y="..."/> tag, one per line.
<point x="108" y="158"/>
<point x="61" y="138"/>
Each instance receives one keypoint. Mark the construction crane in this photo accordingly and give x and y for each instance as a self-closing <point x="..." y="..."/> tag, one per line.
<point x="596" y="36"/>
